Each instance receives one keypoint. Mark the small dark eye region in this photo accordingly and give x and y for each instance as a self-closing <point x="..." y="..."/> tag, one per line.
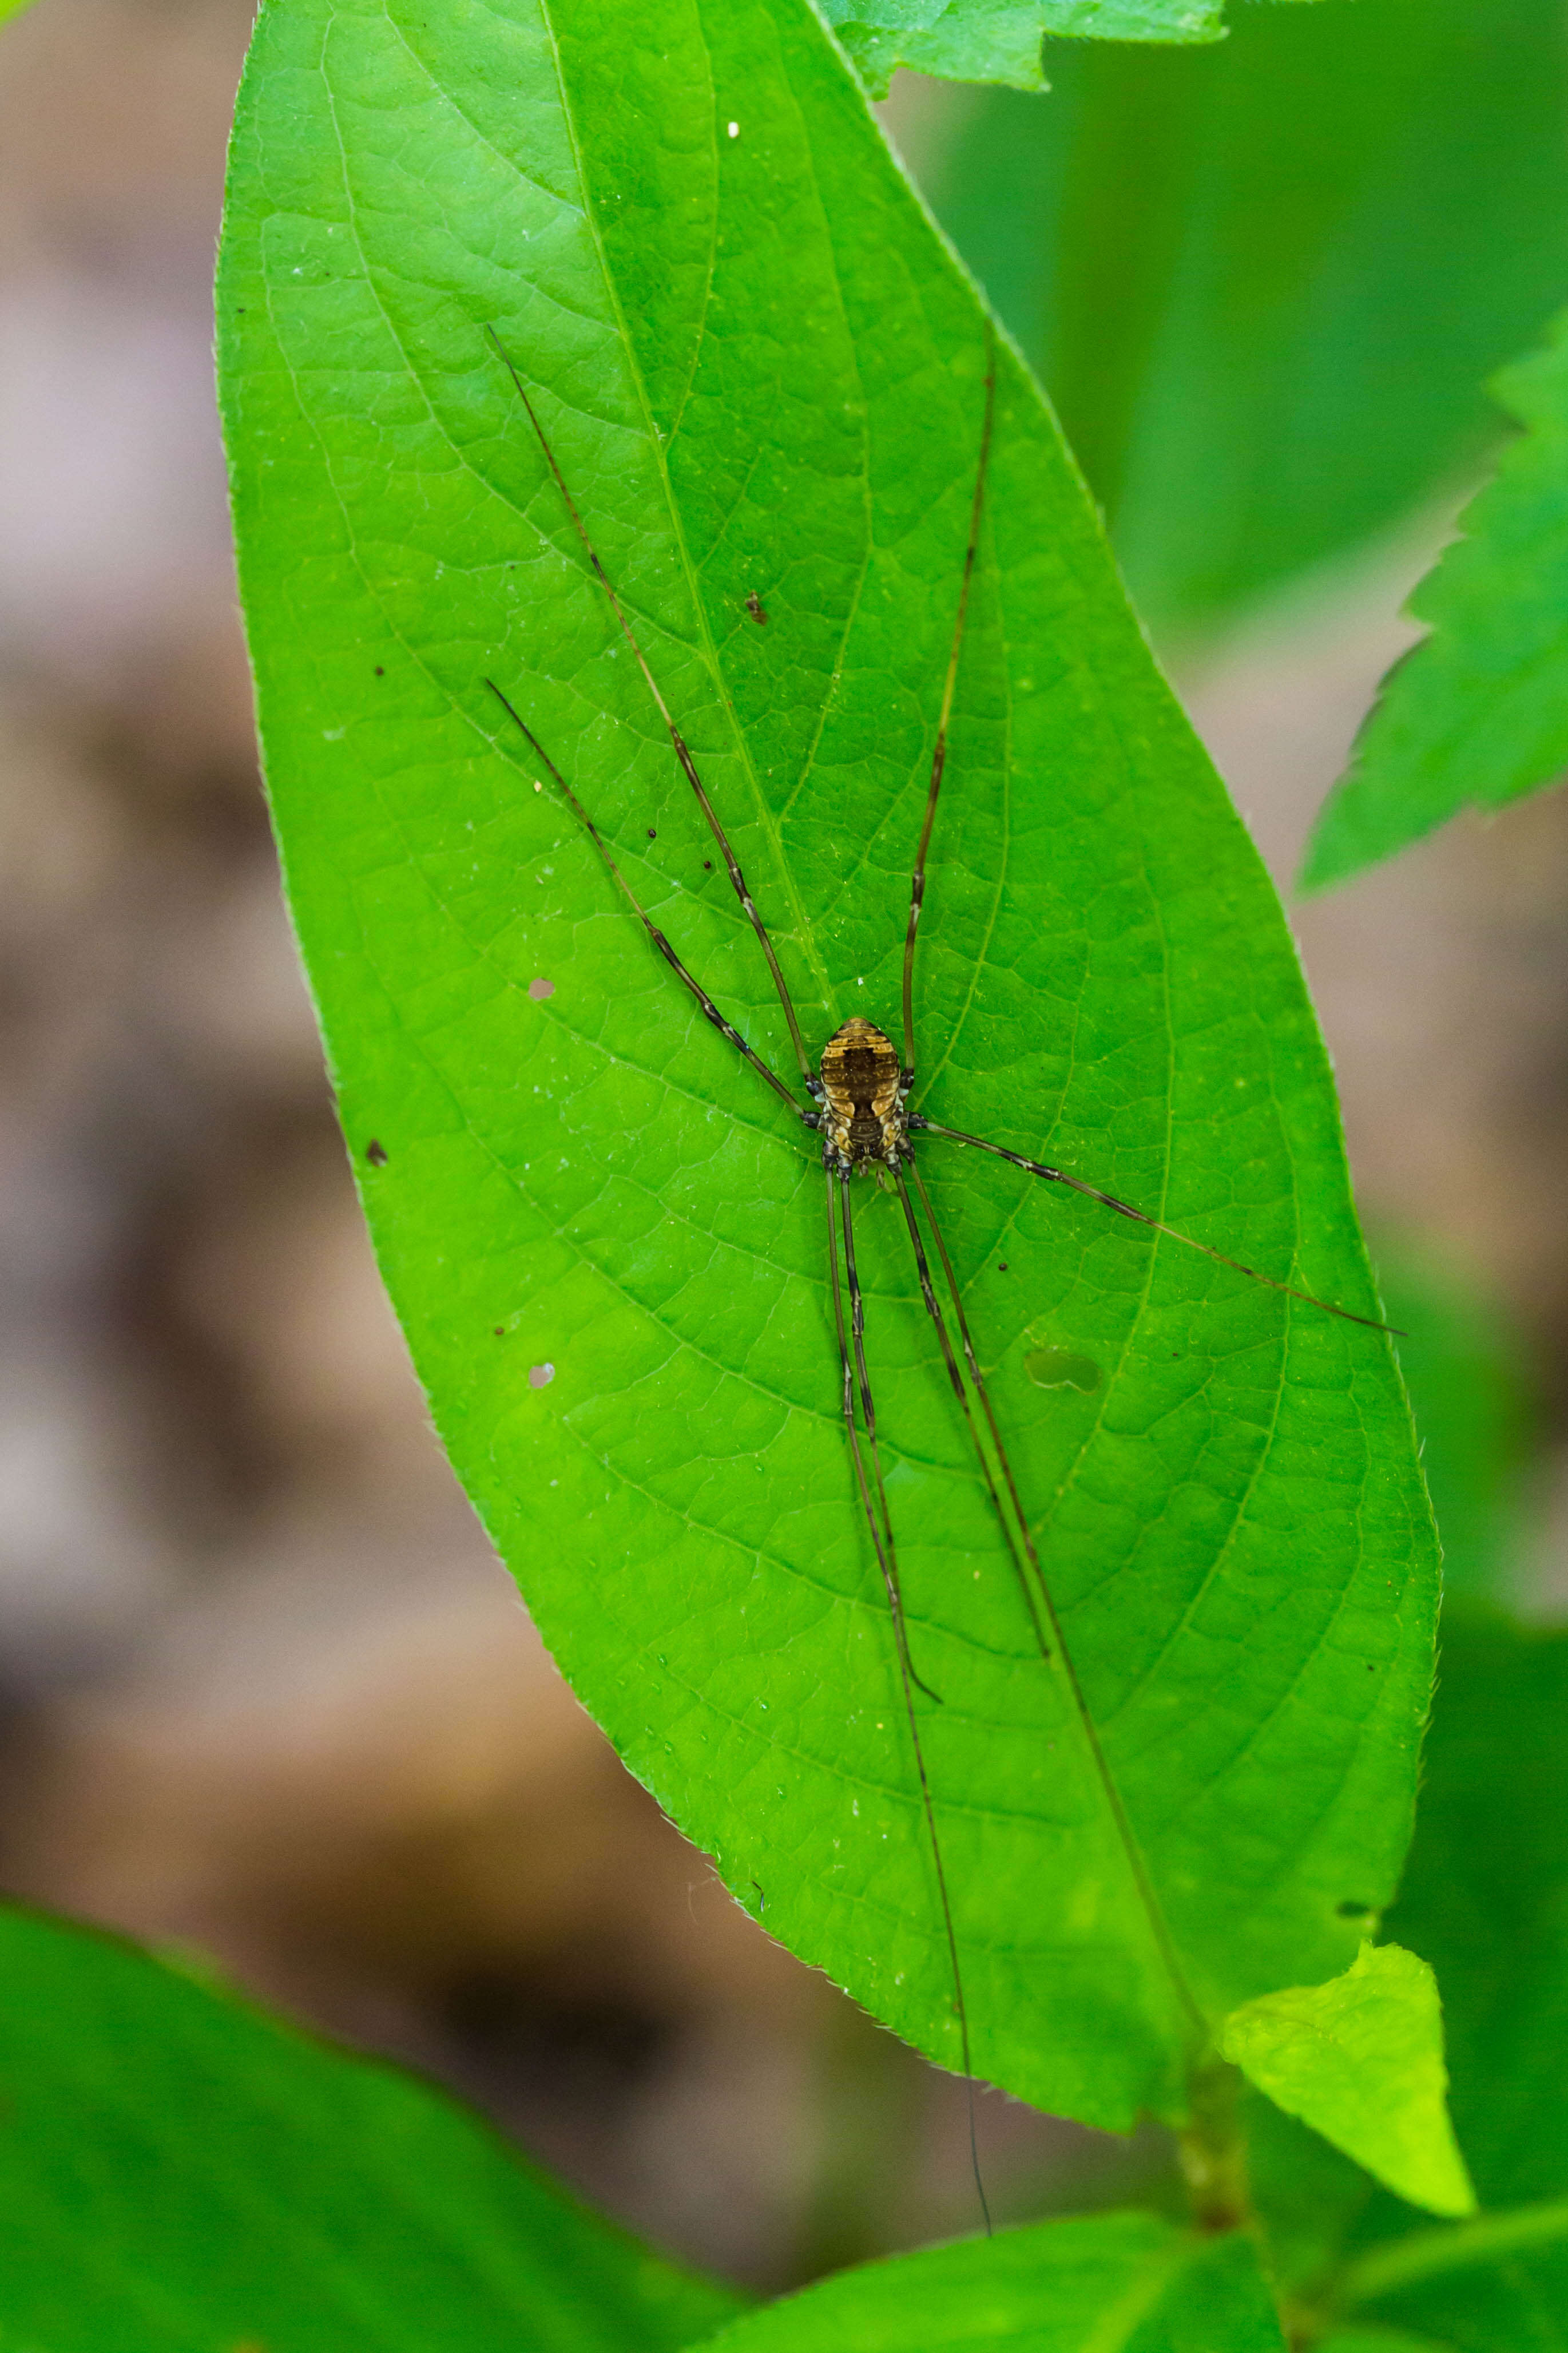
<point x="376" y="1152"/>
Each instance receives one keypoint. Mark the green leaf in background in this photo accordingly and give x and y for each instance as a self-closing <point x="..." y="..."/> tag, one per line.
<point x="180" y="2174"/>
<point x="1471" y="1397"/>
<point x="1110" y="2283"/>
<point x="1360" y="2060"/>
<point x="765" y="378"/>
<point x="1476" y="715"/>
<point x="1485" y="1900"/>
<point x="1264" y="283"/>
<point x="998" y="40"/>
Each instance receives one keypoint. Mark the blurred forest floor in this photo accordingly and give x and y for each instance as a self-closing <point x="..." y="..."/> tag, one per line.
<point x="264" y="1690"/>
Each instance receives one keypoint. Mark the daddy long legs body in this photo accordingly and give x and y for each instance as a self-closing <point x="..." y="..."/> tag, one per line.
<point x="860" y="1098"/>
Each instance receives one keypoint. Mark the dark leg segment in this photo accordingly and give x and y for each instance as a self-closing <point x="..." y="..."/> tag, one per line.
<point x="1142" y="1218"/>
<point x="1037" y="1593"/>
<point x="907" y="1683"/>
<point x="1011" y="1535"/>
<point x="689" y="766"/>
<point x="869" y="1415"/>
<point x="938" y="757"/>
<point x="709" y="1009"/>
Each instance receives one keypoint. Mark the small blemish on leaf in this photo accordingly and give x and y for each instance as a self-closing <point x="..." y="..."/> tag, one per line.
<point x="1059" y="1368"/>
<point x="653" y="833"/>
<point x="540" y="1375"/>
<point x="757" y="610"/>
<point x="541" y="988"/>
<point x="733" y="129"/>
<point x="1350" y="1910"/>
<point x="500" y="1331"/>
<point x="1001" y="1266"/>
<point x="379" y="672"/>
<point x="376" y="1152"/>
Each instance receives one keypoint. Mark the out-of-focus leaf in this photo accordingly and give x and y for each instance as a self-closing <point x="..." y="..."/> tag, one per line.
<point x="1471" y="1396"/>
<point x="765" y="381"/>
<point x="1476" y="715"/>
<point x="1360" y="2060"/>
<point x="1110" y="2284"/>
<point x="999" y="41"/>
<point x="180" y="2174"/>
<point x="1264" y="283"/>
<point x="1485" y="1900"/>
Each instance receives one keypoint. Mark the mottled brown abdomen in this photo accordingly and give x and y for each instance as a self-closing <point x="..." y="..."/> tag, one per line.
<point x="863" y="1120"/>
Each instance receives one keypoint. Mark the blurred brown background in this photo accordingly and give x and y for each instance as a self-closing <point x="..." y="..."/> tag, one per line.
<point x="264" y="1688"/>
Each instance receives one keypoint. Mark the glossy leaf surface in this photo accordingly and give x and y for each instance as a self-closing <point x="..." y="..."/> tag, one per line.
<point x="180" y="2173"/>
<point x="1476" y="715"/>
<point x="1264" y="283"/>
<point x="764" y="380"/>
<point x="1112" y="2283"/>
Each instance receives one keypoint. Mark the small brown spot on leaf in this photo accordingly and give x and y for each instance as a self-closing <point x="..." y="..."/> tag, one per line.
<point x="540" y="1375"/>
<point x="541" y="988"/>
<point x="757" y="610"/>
<point x="376" y="1152"/>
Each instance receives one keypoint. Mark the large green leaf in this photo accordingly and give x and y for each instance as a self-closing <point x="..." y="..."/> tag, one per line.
<point x="179" y="2174"/>
<point x="999" y="41"/>
<point x="1476" y="715"/>
<point x="1115" y="2283"/>
<point x="1265" y="281"/>
<point x="764" y="377"/>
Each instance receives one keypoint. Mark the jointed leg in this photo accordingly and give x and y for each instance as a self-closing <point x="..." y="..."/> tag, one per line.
<point x="938" y="757"/>
<point x="709" y="1009"/>
<point x="1142" y="1218"/>
<point x="688" y="765"/>
<point x="907" y="1681"/>
<point x="868" y="1414"/>
<point x="1012" y="1535"/>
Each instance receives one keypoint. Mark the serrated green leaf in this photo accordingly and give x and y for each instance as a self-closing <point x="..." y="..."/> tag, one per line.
<point x="1110" y="2283"/>
<point x="179" y="2173"/>
<point x="1360" y="2060"/>
<point x="765" y="378"/>
<point x="1264" y="282"/>
<point x="998" y="40"/>
<point x="1476" y="715"/>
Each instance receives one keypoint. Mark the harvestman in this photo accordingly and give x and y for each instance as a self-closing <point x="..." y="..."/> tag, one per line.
<point x="859" y="1104"/>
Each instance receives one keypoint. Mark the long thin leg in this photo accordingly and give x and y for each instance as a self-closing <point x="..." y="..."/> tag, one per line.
<point x="708" y="1007"/>
<point x="933" y="1309"/>
<point x="688" y="765"/>
<point x="1091" y="1733"/>
<point x="938" y="757"/>
<point x="869" y="1415"/>
<point x="1142" y="1218"/>
<point x="907" y="1683"/>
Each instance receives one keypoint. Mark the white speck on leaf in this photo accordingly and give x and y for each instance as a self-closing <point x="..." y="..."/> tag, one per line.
<point x="734" y="129"/>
